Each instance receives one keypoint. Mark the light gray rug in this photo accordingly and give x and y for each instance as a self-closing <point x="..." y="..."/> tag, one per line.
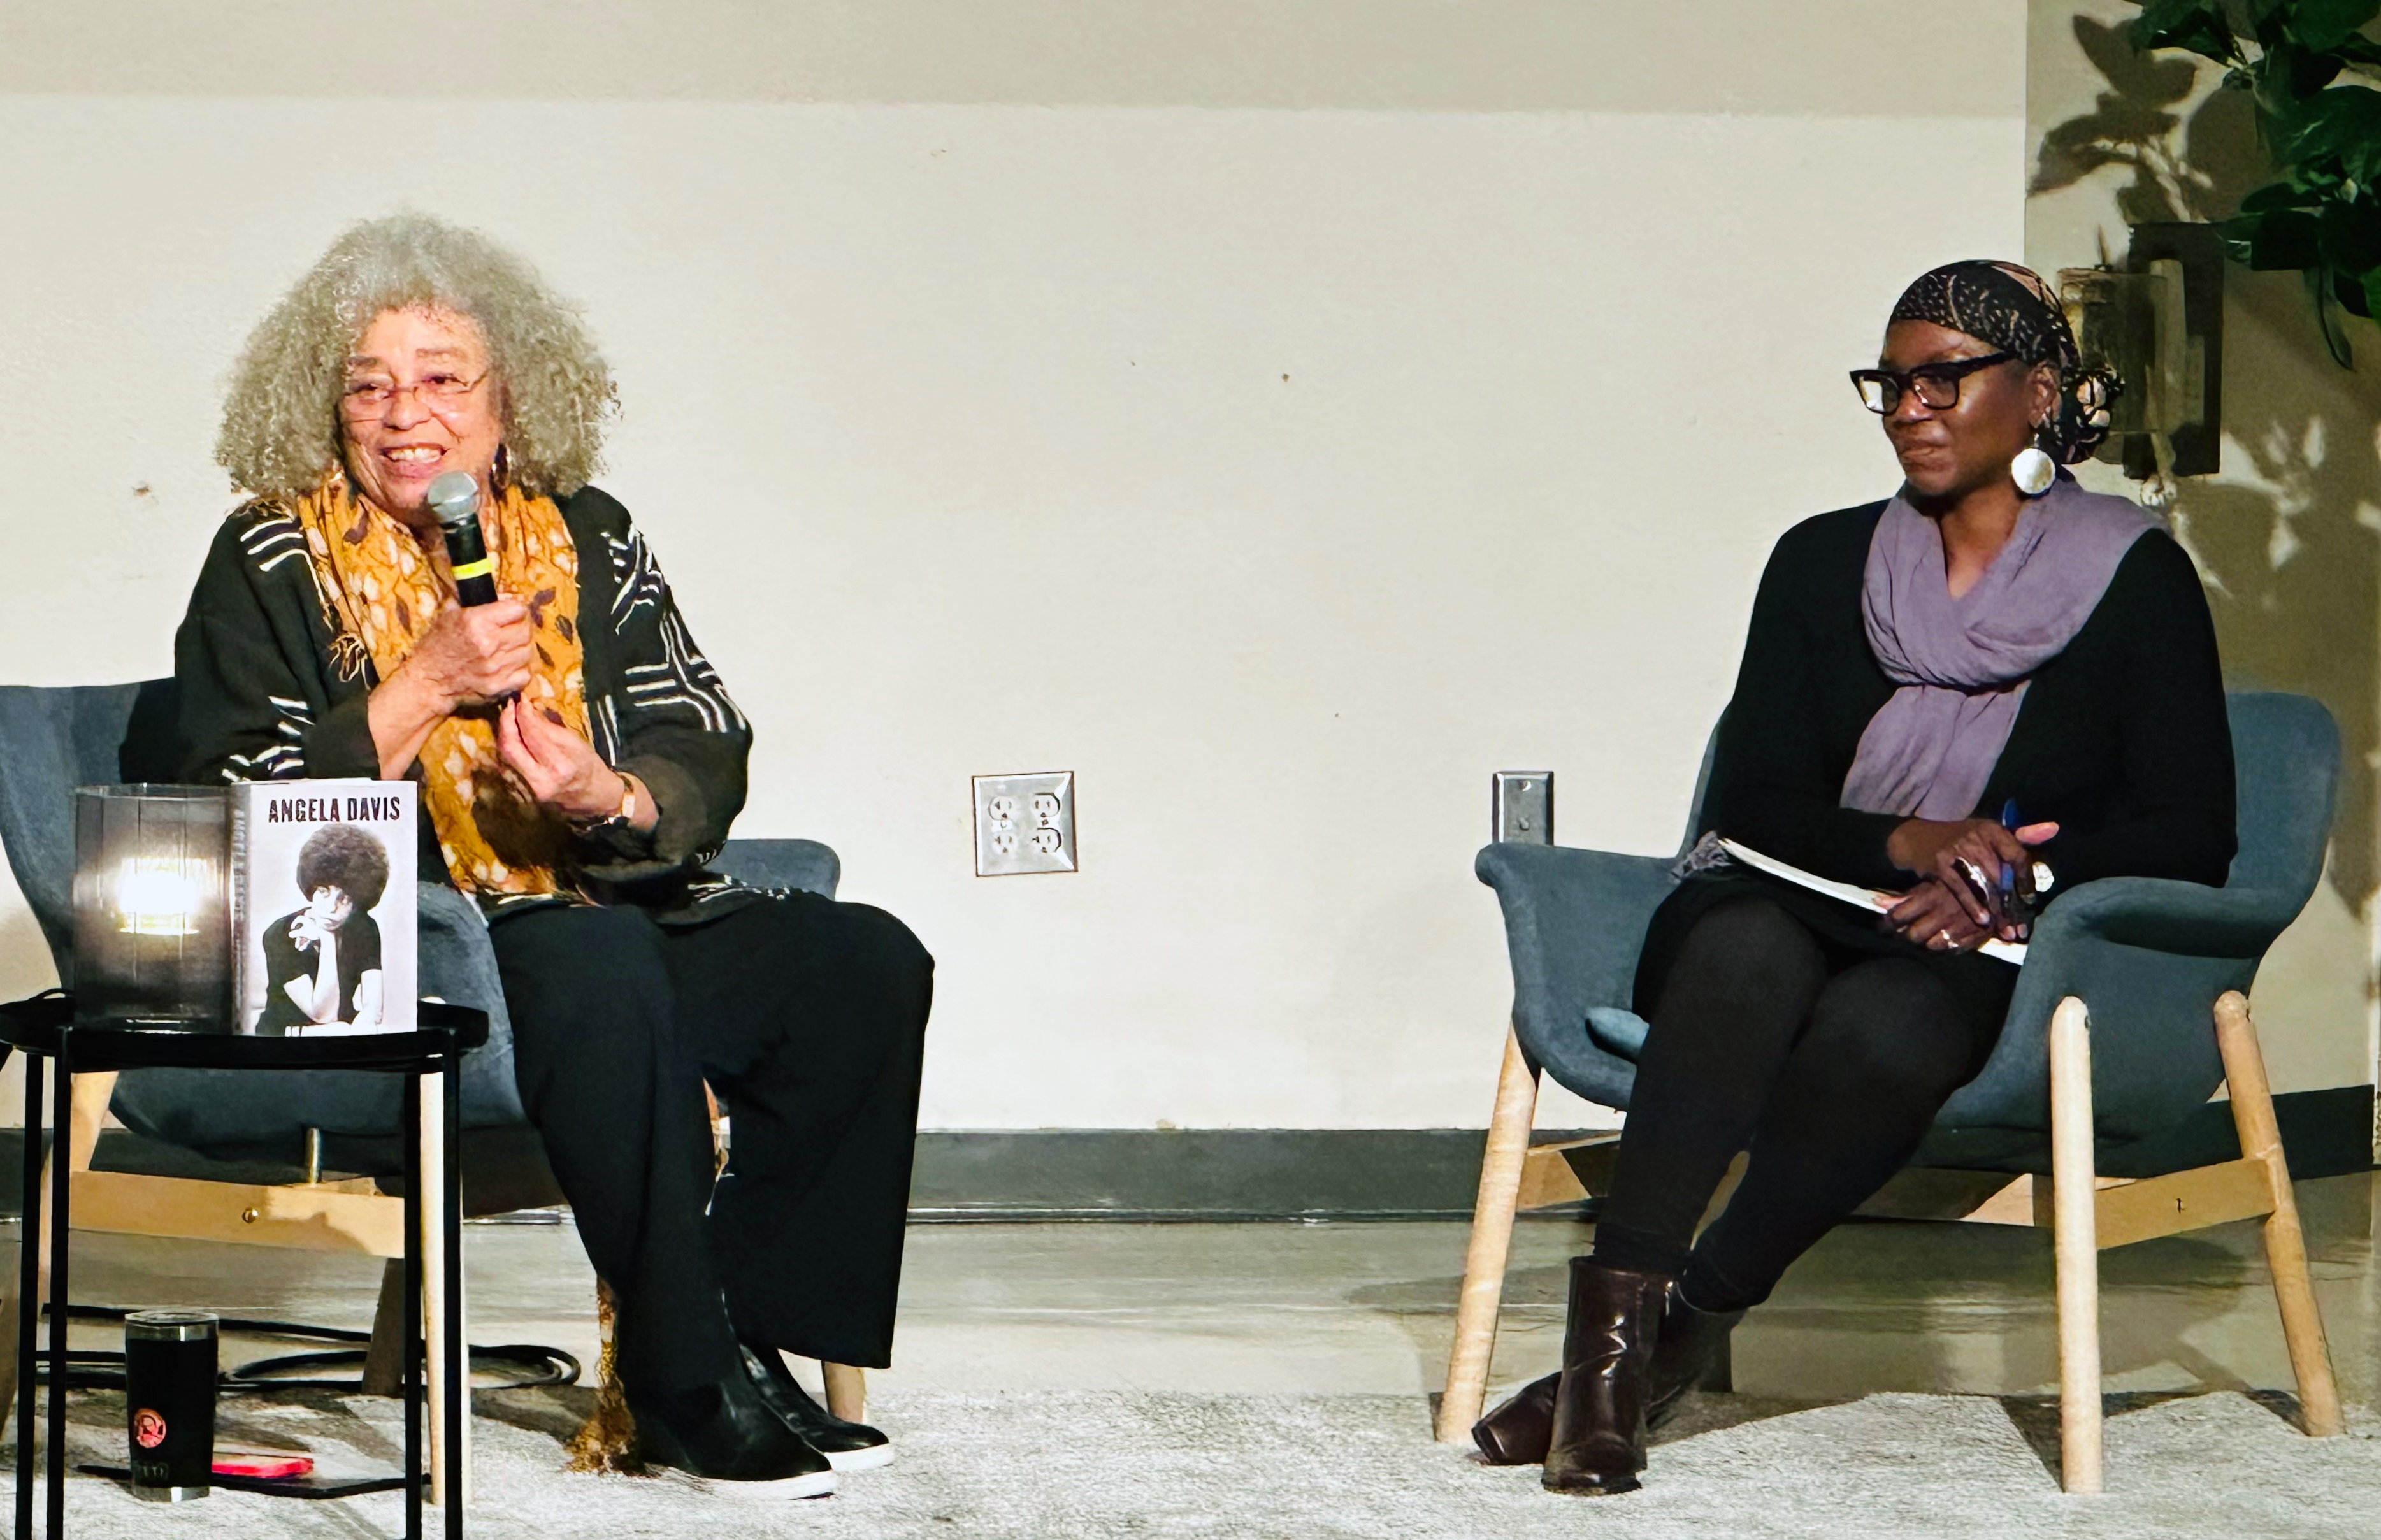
<point x="1096" y="1463"/>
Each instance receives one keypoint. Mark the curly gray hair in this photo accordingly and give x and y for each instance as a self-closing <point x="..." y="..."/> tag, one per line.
<point x="280" y="429"/>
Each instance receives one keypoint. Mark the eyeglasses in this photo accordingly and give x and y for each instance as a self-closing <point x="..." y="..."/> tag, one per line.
<point x="441" y="393"/>
<point x="1936" y="384"/>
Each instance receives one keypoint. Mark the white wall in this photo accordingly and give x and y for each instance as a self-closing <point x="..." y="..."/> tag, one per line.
<point x="1282" y="415"/>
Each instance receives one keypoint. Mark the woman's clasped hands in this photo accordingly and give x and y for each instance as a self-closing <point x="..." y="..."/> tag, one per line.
<point x="1958" y="903"/>
<point x="473" y="657"/>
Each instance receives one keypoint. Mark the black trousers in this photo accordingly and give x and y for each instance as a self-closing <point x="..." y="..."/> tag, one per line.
<point x="1787" y="1027"/>
<point x="806" y="1018"/>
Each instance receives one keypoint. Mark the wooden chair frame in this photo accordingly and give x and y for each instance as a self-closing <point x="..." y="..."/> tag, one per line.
<point x="2086" y="1214"/>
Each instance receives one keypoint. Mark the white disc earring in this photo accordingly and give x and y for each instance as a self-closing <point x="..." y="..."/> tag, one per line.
<point x="2033" y="471"/>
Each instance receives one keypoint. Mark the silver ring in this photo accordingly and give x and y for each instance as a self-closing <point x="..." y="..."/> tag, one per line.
<point x="1944" y="936"/>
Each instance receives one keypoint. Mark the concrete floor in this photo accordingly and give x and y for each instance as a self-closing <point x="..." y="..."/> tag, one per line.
<point x="1355" y="1308"/>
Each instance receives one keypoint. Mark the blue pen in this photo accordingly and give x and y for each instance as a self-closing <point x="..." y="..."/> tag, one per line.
<point x="2008" y="873"/>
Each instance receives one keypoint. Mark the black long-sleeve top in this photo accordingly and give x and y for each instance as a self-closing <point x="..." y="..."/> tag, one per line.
<point x="2121" y="739"/>
<point x="263" y="696"/>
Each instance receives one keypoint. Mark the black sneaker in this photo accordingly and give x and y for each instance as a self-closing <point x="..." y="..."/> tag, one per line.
<point x="728" y="1434"/>
<point x="847" y="1445"/>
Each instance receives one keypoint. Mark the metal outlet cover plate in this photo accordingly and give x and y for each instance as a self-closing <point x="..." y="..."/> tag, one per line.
<point x="1524" y="808"/>
<point x="1024" y="824"/>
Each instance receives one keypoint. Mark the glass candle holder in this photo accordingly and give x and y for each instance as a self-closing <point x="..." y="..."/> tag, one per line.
<point x="151" y="907"/>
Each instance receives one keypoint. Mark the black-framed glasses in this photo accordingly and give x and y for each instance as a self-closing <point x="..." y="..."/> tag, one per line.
<point x="1936" y="384"/>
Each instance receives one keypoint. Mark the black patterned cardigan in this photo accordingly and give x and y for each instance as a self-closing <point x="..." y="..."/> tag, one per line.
<point x="270" y="689"/>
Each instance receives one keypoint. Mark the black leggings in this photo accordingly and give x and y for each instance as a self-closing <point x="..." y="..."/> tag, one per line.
<point x="1825" y="1063"/>
<point x="807" y="1017"/>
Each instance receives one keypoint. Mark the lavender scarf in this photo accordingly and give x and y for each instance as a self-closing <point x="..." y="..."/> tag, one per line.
<point x="1963" y="664"/>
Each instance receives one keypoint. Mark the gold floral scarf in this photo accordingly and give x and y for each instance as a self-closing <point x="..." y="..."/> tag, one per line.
<point x="381" y="587"/>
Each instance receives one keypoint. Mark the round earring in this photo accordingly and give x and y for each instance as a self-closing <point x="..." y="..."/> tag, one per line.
<point x="2033" y="471"/>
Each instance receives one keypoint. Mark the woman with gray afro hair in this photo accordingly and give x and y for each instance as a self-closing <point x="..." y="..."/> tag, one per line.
<point x="281" y="425"/>
<point x="578" y="765"/>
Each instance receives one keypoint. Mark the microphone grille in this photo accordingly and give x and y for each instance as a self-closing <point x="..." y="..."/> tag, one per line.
<point x="454" y="498"/>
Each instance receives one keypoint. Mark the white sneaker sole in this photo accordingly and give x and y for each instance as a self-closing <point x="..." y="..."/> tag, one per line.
<point x="819" y="1484"/>
<point x="873" y="1459"/>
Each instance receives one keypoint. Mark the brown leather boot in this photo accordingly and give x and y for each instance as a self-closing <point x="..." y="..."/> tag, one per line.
<point x="1598" y="1440"/>
<point x="1691" y="1353"/>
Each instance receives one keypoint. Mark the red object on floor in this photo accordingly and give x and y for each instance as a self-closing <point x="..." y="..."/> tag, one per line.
<point x="266" y="1467"/>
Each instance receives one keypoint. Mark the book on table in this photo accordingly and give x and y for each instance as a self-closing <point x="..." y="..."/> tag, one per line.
<point x="322" y="907"/>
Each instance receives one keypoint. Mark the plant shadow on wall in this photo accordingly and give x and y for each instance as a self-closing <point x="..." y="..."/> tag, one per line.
<point x="2289" y="534"/>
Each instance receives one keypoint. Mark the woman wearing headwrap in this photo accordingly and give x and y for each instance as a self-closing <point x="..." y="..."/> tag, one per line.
<point x="1992" y="669"/>
<point x="579" y="764"/>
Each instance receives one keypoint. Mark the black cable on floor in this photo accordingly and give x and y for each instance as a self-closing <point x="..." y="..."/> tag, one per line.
<point x="532" y="1365"/>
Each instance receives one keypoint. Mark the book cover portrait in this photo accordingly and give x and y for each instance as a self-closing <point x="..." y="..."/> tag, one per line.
<point x="323" y="894"/>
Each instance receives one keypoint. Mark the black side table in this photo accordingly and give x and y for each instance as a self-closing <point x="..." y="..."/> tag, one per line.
<point x="44" y="1028"/>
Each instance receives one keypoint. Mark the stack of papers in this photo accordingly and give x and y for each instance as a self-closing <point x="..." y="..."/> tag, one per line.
<point x="1862" y="898"/>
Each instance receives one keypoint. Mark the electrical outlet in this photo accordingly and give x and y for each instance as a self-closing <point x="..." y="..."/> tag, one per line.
<point x="1522" y="808"/>
<point x="1024" y="824"/>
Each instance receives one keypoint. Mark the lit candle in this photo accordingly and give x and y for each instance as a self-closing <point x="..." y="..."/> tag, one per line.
<point x="161" y="895"/>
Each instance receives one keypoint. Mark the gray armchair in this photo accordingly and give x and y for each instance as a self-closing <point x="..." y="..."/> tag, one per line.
<point x="2155" y="962"/>
<point x="54" y="739"/>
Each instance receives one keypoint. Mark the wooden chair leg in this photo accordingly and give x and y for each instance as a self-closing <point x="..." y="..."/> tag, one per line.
<point x="384" y="1356"/>
<point x="2261" y="1139"/>
<point x="2076" y="1226"/>
<point x="846" y="1391"/>
<point x="1492" y="1237"/>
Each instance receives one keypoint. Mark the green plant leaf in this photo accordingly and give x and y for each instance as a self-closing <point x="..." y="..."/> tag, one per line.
<point x="2285" y="238"/>
<point x="2348" y="289"/>
<point x="2198" y="25"/>
<point x="2280" y="195"/>
<point x="2269" y="23"/>
<point x="2351" y="235"/>
<point x="2304" y="71"/>
<point x="2343" y="121"/>
<point x="2313" y="79"/>
<point x="2324" y="24"/>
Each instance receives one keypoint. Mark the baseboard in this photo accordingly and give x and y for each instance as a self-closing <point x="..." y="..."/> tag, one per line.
<point x="1194" y="1175"/>
<point x="2325" y="1133"/>
<point x="1051" y="1174"/>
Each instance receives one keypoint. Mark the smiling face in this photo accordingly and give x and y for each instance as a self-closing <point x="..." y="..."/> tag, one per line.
<point x="419" y="402"/>
<point x="1948" y="452"/>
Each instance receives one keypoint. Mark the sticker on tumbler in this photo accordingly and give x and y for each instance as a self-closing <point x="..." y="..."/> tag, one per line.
<point x="148" y="1428"/>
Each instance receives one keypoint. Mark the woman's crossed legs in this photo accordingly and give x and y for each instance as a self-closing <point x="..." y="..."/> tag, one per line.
<point x="1826" y="1066"/>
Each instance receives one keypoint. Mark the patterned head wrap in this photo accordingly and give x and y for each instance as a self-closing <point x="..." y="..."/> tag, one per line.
<point x="2010" y="309"/>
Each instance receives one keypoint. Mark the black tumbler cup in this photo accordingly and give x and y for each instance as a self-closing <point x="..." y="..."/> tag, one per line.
<point x="169" y="1403"/>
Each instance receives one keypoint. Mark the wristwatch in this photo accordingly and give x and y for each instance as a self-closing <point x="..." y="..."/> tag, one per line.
<point x="623" y="818"/>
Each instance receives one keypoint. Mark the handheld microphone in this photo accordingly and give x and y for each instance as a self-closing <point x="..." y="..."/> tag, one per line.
<point x="454" y="499"/>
